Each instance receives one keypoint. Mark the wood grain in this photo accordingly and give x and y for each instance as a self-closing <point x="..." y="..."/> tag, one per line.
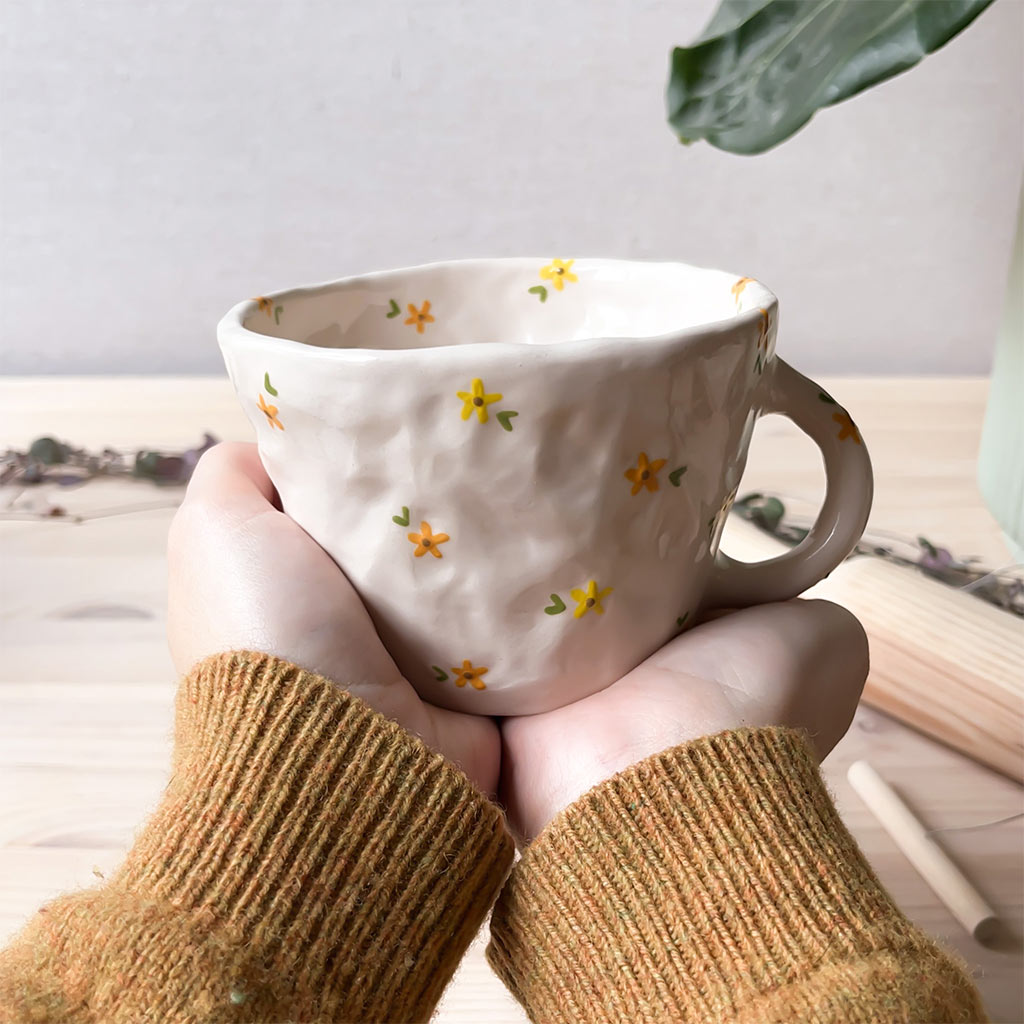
<point x="946" y="663"/>
<point x="86" y="684"/>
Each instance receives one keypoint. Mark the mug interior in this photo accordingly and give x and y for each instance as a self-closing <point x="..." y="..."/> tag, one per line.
<point x="515" y="301"/>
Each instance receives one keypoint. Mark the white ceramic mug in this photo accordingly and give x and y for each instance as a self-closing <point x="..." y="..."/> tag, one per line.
<point x="524" y="465"/>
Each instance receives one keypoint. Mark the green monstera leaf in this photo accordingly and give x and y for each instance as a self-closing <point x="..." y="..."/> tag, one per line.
<point x="762" y="68"/>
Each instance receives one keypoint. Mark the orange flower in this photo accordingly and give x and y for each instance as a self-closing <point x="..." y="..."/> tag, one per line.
<point x="558" y="272"/>
<point x="270" y="411"/>
<point x="426" y="540"/>
<point x="644" y="474"/>
<point x="737" y="288"/>
<point x="468" y="674"/>
<point x="847" y="428"/>
<point x="266" y="305"/>
<point x="419" y="317"/>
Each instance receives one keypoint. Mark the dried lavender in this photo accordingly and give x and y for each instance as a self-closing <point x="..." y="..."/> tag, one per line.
<point x="49" y="461"/>
<point x="1001" y="588"/>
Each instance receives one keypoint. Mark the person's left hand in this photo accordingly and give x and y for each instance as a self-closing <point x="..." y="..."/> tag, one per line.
<point x="799" y="664"/>
<point x="244" y="576"/>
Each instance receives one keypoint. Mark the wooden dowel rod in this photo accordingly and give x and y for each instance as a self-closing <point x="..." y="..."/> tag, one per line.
<point x="930" y="860"/>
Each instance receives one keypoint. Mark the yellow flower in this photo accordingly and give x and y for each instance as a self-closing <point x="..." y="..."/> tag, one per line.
<point x="270" y="411"/>
<point x="589" y="598"/>
<point x="737" y="288"/>
<point x="266" y="305"/>
<point x="762" y="337"/>
<point x="644" y="474"/>
<point x="419" y="317"/>
<point x="558" y="272"/>
<point x="468" y="674"/>
<point x="477" y="399"/>
<point x="426" y="540"/>
<point x="847" y="428"/>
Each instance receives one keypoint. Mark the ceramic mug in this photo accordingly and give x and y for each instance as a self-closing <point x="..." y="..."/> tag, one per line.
<point x="524" y="466"/>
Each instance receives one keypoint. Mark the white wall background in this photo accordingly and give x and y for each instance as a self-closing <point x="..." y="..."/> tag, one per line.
<point x="162" y="160"/>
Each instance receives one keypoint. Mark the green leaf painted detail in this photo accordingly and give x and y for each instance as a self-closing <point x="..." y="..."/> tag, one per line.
<point x="540" y="291"/>
<point x="556" y="607"/>
<point x="762" y="68"/>
<point x="439" y="673"/>
<point x="680" y="622"/>
<point x="267" y="386"/>
<point x="394" y="309"/>
<point x="505" y="417"/>
<point x="278" y="310"/>
<point x="827" y="398"/>
<point x="675" y="476"/>
<point x="403" y="519"/>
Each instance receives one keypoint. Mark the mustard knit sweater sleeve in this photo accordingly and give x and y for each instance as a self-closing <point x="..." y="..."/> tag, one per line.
<point x="715" y="883"/>
<point x="309" y="861"/>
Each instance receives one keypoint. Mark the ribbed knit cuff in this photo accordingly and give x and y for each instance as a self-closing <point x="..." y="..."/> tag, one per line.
<point x="352" y="863"/>
<point x="714" y="882"/>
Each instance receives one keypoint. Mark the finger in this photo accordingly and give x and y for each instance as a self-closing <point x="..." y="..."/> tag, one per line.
<point x="231" y="474"/>
<point x="471" y="742"/>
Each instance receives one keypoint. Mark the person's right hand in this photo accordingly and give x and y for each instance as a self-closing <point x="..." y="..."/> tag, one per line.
<point x="243" y="576"/>
<point x="801" y="664"/>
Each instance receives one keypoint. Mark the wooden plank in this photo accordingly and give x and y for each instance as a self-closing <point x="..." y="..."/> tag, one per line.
<point x="944" y="662"/>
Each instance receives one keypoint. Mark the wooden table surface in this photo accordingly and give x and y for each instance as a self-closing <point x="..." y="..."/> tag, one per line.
<point x="86" y="683"/>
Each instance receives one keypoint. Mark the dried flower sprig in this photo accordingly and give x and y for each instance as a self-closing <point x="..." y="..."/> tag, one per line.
<point x="1001" y="587"/>
<point x="57" y="462"/>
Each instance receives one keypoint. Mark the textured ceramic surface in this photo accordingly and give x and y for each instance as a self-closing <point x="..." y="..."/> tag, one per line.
<point x="524" y="465"/>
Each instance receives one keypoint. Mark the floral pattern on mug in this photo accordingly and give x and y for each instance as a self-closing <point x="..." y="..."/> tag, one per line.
<point x="476" y="400"/>
<point x="847" y="428"/>
<point x="589" y="599"/>
<point x="762" y="341"/>
<point x="644" y="474"/>
<point x="419" y="317"/>
<point x="267" y="306"/>
<point x="471" y="675"/>
<point x="558" y="272"/>
<point x="737" y="288"/>
<point x="722" y="514"/>
<point x="270" y="411"/>
<point x="426" y="540"/>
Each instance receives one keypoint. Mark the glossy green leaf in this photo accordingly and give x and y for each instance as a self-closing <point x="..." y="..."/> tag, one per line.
<point x="762" y="68"/>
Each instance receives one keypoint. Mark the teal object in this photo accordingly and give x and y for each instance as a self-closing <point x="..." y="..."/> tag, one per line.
<point x="1001" y="458"/>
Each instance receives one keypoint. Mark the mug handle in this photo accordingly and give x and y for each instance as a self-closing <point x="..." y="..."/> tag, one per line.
<point x="843" y="515"/>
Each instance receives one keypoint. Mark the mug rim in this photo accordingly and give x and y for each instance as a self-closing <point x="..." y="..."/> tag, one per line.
<point x="231" y="327"/>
